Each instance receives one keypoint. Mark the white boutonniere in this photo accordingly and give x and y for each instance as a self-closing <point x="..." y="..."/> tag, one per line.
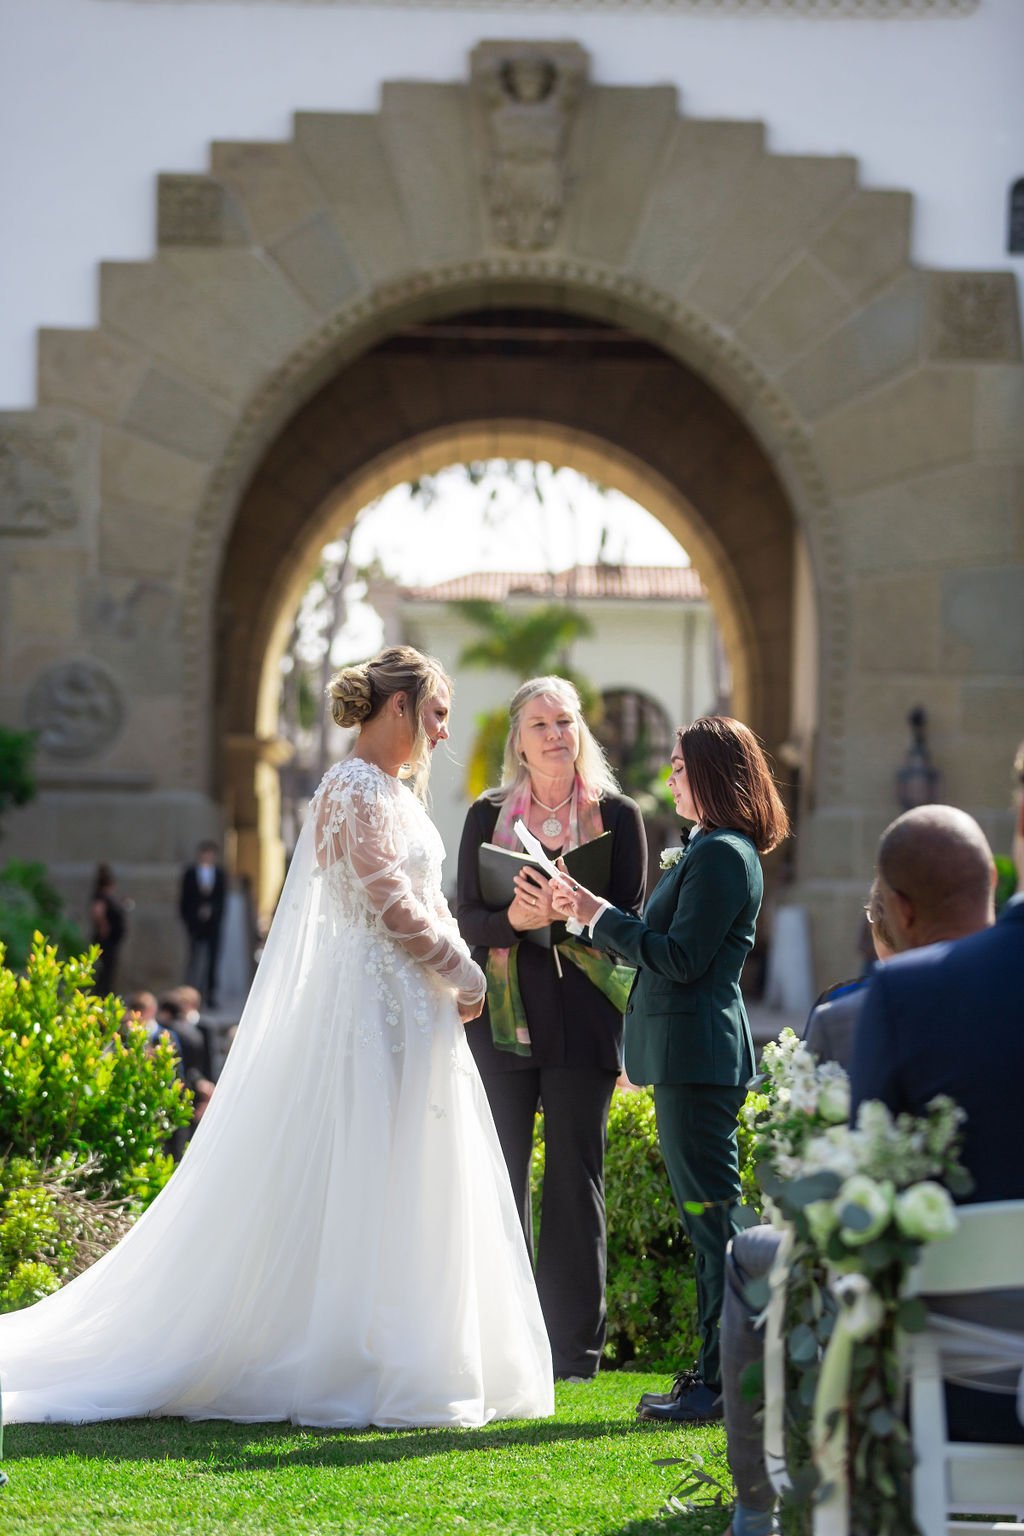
<point x="670" y="857"/>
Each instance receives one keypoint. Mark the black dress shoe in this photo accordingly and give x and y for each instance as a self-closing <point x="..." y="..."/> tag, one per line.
<point x="691" y="1401"/>
<point x="682" y="1383"/>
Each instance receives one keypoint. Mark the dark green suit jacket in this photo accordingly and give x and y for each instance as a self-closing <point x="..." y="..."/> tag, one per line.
<point x="685" y="1020"/>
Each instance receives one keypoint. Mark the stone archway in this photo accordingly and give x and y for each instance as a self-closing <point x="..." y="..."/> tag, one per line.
<point x="606" y="398"/>
<point x="885" y="398"/>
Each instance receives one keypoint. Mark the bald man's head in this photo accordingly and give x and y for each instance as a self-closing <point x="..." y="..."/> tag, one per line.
<point x="937" y="875"/>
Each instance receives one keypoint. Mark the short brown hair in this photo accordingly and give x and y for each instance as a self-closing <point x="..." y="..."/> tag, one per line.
<point x="731" y="781"/>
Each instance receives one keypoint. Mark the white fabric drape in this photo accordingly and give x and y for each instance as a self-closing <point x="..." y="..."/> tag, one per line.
<point x="340" y="1244"/>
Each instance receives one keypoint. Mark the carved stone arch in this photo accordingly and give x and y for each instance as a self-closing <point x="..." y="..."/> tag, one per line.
<point x="885" y="399"/>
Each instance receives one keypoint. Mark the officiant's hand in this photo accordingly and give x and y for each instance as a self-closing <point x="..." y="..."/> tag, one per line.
<point x="572" y="900"/>
<point x="531" y="907"/>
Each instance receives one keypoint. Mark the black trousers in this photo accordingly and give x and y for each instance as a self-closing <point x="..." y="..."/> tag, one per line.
<point x="572" y="1260"/>
<point x="698" y="1136"/>
<point x="203" y="960"/>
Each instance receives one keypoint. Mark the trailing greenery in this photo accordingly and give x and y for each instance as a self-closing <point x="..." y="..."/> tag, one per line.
<point x="590" y="1470"/>
<point x="652" y="1294"/>
<point x="52" y="1226"/>
<point x="73" y="1079"/>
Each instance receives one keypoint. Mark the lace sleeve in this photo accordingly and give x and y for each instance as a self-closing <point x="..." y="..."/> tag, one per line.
<point x="355" y="820"/>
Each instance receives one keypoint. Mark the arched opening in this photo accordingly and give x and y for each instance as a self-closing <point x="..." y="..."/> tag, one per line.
<point x="514" y="383"/>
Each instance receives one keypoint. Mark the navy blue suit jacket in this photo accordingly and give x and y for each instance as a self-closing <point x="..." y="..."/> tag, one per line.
<point x="950" y="1019"/>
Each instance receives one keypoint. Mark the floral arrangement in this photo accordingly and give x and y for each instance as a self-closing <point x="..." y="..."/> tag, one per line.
<point x="670" y="857"/>
<point x="855" y="1204"/>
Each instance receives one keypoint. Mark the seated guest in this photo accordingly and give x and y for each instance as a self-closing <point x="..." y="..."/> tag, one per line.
<point x="935" y="882"/>
<point x="142" y="1009"/>
<point x="829" y="1029"/>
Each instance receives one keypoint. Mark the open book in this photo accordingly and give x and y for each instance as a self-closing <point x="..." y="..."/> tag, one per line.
<point x="590" y="864"/>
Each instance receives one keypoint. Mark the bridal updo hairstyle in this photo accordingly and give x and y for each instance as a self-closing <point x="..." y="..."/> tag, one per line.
<point x="592" y="766"/>
<point x="731" y="780"/>
<point x="358" y="693"/>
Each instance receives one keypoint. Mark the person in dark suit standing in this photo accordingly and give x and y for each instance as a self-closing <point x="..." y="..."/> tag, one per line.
<point x="687" y="1031"/>
<point x="550" y="1036"/>
<point x="203" y="889"/>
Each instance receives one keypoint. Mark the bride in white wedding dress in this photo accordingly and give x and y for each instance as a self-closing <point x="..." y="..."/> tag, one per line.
<point x="340" y="1245"/>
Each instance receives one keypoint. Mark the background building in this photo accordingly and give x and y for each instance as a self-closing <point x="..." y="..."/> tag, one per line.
<point x="748" y="264"/>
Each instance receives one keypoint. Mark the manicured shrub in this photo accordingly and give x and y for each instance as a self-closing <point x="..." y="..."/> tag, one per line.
<point x="72" y="1079"/>
<point x="51" y="1226"/>
<point x="652" y="1294"/>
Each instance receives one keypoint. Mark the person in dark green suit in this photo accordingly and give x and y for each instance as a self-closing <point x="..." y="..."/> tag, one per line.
<point x="687" y="1031"/>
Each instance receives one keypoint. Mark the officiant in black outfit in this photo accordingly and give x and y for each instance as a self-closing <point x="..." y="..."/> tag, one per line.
<point x="550" y="1037"/>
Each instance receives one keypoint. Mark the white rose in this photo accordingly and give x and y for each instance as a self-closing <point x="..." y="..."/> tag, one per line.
<point x="874" y="1199"/>
<point x="803" y="1096"/>
<point x="834" y="1099"/>
<point x="833" y="1151"/>
<point x="926" y="1212"/>
<point x="862" y="1309"/>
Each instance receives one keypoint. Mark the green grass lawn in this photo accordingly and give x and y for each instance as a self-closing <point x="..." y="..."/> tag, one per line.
<point x="586" y="1472"/>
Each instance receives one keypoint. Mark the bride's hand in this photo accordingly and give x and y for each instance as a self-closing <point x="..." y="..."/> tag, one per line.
<point x="470" y="1011"/>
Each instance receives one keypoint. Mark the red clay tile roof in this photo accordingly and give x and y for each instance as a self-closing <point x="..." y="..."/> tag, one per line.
<point x="664" y="582"/>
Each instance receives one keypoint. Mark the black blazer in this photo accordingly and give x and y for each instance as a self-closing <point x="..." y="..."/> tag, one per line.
<point x="201" y="912"/>
<point x="950" y="1019"/>
<point x="571" y="1023"/>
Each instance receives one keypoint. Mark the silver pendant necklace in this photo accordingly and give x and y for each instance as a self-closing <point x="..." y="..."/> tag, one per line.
<point x="552" y="826"/>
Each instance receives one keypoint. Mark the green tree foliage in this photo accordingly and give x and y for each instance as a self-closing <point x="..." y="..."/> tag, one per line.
<point x="74" y="1080"/>
<point x="17" y="786"/>
<point x="30" y="904"/>
<point x="529" y="644"/>
<point x="652" y="1294"/>
<point x="27" y="899"/>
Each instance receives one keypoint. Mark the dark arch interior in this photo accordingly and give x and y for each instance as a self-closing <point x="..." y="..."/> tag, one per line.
<point x="511" y="363"/>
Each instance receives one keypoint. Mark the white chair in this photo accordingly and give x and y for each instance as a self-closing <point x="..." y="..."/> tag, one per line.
<point x="985" y="1254"/>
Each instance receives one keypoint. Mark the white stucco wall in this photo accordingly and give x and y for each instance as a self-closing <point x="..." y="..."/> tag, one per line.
<point x="98" y="96"/>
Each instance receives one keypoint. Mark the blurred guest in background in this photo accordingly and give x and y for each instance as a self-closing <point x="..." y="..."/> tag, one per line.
<point x="107" y="916"/>
<point x="203" y="890"/>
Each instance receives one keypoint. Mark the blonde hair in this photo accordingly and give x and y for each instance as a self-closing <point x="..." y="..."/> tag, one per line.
<point x="592" y="766"/>
<point x="358" y="693"/>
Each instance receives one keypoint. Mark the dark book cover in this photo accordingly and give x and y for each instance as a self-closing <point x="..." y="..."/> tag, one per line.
<point x="590" y="864"/>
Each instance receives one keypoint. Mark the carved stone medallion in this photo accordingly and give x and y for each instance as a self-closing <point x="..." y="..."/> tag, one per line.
<point x="76" y="708"/>
<point x="528" y="93"/>
<point x="974" y="316"/>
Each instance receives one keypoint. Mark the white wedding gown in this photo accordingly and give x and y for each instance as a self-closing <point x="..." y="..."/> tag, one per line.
<point x="340" y="1244"/>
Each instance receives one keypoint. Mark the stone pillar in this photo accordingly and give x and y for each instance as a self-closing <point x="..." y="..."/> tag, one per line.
<point x="252" y="807"/>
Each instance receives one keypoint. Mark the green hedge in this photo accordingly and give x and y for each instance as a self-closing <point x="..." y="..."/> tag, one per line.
<point x="652" y="1294"/>
<point x="86" y="1108"/>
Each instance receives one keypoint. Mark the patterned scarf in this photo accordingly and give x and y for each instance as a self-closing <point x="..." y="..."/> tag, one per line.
<point x="509" y="1028"/>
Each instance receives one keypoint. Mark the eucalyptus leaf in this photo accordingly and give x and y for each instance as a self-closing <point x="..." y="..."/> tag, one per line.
<point x="757" y="1293"/>
<point x="798" y="1193"/>
<point x="745" y="1216"/>
<point x="856" y="1218"/>
<point x="912" y="1315"/>
<point x="881" y="1421"/>
<point x="802" y="1344"/>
